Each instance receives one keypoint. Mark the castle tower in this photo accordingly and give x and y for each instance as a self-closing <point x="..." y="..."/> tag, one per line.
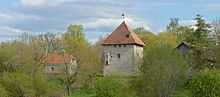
<point x="122" y="51"/>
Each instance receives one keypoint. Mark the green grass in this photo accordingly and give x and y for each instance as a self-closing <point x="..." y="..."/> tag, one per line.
<point x="82" y="93"/>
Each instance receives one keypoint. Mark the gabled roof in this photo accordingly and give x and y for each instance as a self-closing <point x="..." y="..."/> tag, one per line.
<point x="58" y="59"/>
<point x="123" y="35"/>
<point x="183" y="43"/>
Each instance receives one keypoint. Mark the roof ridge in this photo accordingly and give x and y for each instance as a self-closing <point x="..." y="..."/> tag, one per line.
<point x="128" y="27"/>
<point x="131" y="32"/>
<point x="133" y="37"/>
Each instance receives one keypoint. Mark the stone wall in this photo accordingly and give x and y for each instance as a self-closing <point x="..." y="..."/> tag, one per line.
<point x="122" y="59"/>
<point x="138" y="56"/>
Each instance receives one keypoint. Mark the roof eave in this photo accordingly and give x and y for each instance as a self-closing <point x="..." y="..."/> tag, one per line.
<point x="107" y="44"/>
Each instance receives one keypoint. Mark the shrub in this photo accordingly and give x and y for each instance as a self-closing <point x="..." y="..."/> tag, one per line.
<point x="182" y="93"/>
<point x="108" y="87"/>
<point x="17" y="84"/>
<point x="83" y="93"/>
<point x="163" y="70"/>
<point x="3" y="92"/>
<point x="206" y="84"/>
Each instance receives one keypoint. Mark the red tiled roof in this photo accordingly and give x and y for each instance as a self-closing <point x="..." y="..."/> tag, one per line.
<point x="58" y="58"/>
<point x="123" y="35"/>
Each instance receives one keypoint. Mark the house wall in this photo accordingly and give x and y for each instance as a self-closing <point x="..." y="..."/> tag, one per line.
<point x="183" y="49"/>
<point x="138" y="56"/>
<point x="54" y="68"/>
<point x="127" y="64"/>
<point x="60" y="68"/>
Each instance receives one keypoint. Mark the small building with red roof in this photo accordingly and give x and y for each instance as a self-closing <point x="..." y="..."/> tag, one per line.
<point x="122" y="51"/>
<point x="59" y="63"/>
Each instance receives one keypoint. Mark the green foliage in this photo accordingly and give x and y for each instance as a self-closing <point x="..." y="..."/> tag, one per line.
<point x="74" y="39"/>
<point x="17" y="84"/>
<point x="173" y="25"/>
<point x="83" y="93"/>
<point x="177" y="32"/>
<point x="21" y="73"/>
<point x="7" y="59"/>
<point x="163" y="70"/>
<point x="3" y="92"/>
<point x="182" y="93"/>
<point x="108" y="87"/>
<point x="44" y="88"/>
<point x="200" y="43"/>
<point x="183" y="33"/>
<point x="146" y="36"/>
<point x="75" y="43"/>
<point x="75" y="30"/>
<point x="168" y="37"/>
<point x="217" y="53"/>
<point x="206" y="84"/>
<point x="67" y="81"/>
<point x="199" y="36"/>
<point x="20" y="60"/>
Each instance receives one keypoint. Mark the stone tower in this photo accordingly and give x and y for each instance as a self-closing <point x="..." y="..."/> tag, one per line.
<point x="122" y="51"/>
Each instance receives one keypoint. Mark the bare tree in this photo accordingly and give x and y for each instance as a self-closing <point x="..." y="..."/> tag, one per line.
<point x="216" y="29"/>
<point x="69" y="77"/>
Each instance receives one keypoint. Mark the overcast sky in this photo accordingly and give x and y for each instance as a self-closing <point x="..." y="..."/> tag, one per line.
<point x="99" y="17"/>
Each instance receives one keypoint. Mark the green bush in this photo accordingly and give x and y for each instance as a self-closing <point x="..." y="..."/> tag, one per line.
<point x="108" y="87"/>
<point x="163" y="70"/>
<point x="206" y="84"/>
<point x="17" y="84"/>
<point x="83" y="93"/>
<point x="3" y="92"/>
<point x="182" y="93"/>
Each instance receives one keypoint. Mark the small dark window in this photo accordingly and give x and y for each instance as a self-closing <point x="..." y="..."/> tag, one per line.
<point x="127" y="35"/>
<point x="115" y="46"/>
<point x="106" y="63"/>
<point x="119" y="45"/>
<point x="119" y="56"/>
<point x="138" y="54"/>
<point x="107" y="58"/>
<point x="52" y="68"/>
